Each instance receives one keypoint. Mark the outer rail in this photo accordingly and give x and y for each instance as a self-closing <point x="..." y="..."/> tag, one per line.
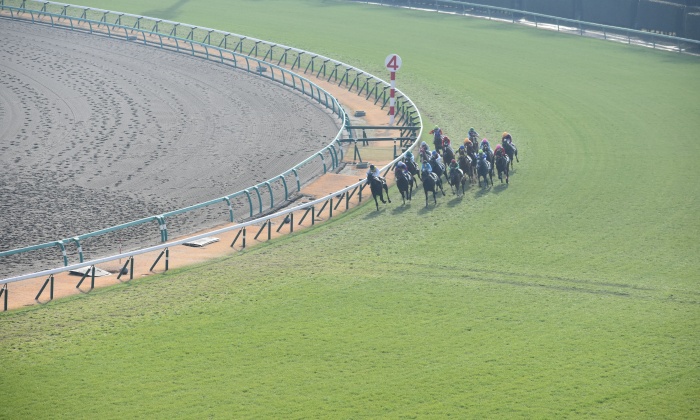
<point x="572" y="26"/>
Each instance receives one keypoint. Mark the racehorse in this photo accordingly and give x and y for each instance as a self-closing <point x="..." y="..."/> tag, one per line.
<point x="502" y="166"/>
<point x="405" y="183"/>
<point x="424" y="154"/>
<point x="489" y="156"/>
<point x="447" y="154"/>
<point x="430" y="181"/>
<point x="413" y="170"/>
<point x="438" y="168"/>
<point x="376" y="186"/>
<point x="483" y="169"/>
<point x="465" y="164"/>
<point x="437" y="139"/>
<point x="511" y="150"/>
<point x="457" y="179"/>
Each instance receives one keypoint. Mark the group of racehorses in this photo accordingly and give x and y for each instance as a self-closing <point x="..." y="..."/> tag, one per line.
<point x="469" y="164"/>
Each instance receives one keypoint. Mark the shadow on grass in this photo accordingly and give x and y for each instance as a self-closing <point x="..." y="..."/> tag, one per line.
<point x="427" y="209"/>
<point x="456" y="200"/>
<point x="483" y="191"/>
<point x="401" y="208"/>
<point x="500" y="188"/>
<point x="376" y="213"/>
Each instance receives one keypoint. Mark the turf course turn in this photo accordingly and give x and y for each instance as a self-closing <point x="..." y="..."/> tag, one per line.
<point x="573" y="291"/>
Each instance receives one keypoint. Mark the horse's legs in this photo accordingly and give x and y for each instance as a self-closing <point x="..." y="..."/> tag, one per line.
<point x="387" y="193"/>
<point x="426" y="197"/>
<point x="376" y="202"/>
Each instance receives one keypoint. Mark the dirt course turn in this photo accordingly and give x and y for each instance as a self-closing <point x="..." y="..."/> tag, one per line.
<point x="95" y="132"/>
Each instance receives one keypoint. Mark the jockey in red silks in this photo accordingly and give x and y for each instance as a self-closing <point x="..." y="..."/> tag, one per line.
<point x="499" y="150"/>
<point x="445" y="142"/>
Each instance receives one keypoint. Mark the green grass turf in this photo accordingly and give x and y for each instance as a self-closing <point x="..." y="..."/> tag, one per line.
<point x="574" y="291"/>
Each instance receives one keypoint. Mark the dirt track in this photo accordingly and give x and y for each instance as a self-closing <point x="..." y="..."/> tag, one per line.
<point x="95" y="132"/>
<point x="23" y="293"/>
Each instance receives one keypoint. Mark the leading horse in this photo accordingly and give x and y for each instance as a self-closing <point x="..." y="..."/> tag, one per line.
<point x="376" y="185"/>
<point x="511" y="151"/>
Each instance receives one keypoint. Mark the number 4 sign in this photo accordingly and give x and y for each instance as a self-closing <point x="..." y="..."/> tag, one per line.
<point x="392" y="63"/>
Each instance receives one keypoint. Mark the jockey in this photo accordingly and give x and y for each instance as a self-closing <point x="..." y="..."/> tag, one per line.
<point x="400" y="169"/>
<point x="425" y="167"/>
<point x="485" y="144"/>
<point x="424" y="148"/>
<point x="437" y="137"/>
<point x="453" y="166"/>
<point x="409" y="157"/>
<point x="473" y="134"/>
<point x="437" y="157"/>
<point x="499" y="150"/>
<point x="437" y="133"/>
<point x="506" y="138"/>
<point x="462" y="150"/>
<point x="373" y="171"/>
<point x="445" y="142"/>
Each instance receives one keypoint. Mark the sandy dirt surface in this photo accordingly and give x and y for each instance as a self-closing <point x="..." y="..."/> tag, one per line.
<point x="23" y="293"/>
<point x="95" y="132"/>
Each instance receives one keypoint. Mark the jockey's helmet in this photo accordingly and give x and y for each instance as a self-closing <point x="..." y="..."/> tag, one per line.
<point x="472" y="129"/>
<point x="435" y="153"/>
<point x="409" y="154"/>
<point x="371" y="167"/>
<point x="505" y="134"/>
<point x="481" y="152"/>
<point x="461" y="147"/>
<point x="454" y="162"/>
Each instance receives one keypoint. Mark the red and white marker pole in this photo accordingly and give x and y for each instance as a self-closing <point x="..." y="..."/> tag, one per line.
<point x="392" y="63"/>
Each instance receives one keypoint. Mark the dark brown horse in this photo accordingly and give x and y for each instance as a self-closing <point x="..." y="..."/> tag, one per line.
<point x="404" y="181"/>
<point x="511" y="151"/>
<point x="465" y="164"/>
<point x="483" y="169"/>
<point x="430" y="184"/>
<point x="376" y="185"/>
<point x="447" y="155"/>
<point x="438" y="168"/>
<point x="502" y="166"/>
<point x="457" y="181"/>
<point x="412" y="169"/>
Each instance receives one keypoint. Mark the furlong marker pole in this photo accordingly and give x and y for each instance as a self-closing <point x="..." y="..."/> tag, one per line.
<point x="392" y="63"/>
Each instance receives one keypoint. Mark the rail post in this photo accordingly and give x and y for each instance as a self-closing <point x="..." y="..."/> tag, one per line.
<point x="4" y="292"/>
<point x="48" y="281"/>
